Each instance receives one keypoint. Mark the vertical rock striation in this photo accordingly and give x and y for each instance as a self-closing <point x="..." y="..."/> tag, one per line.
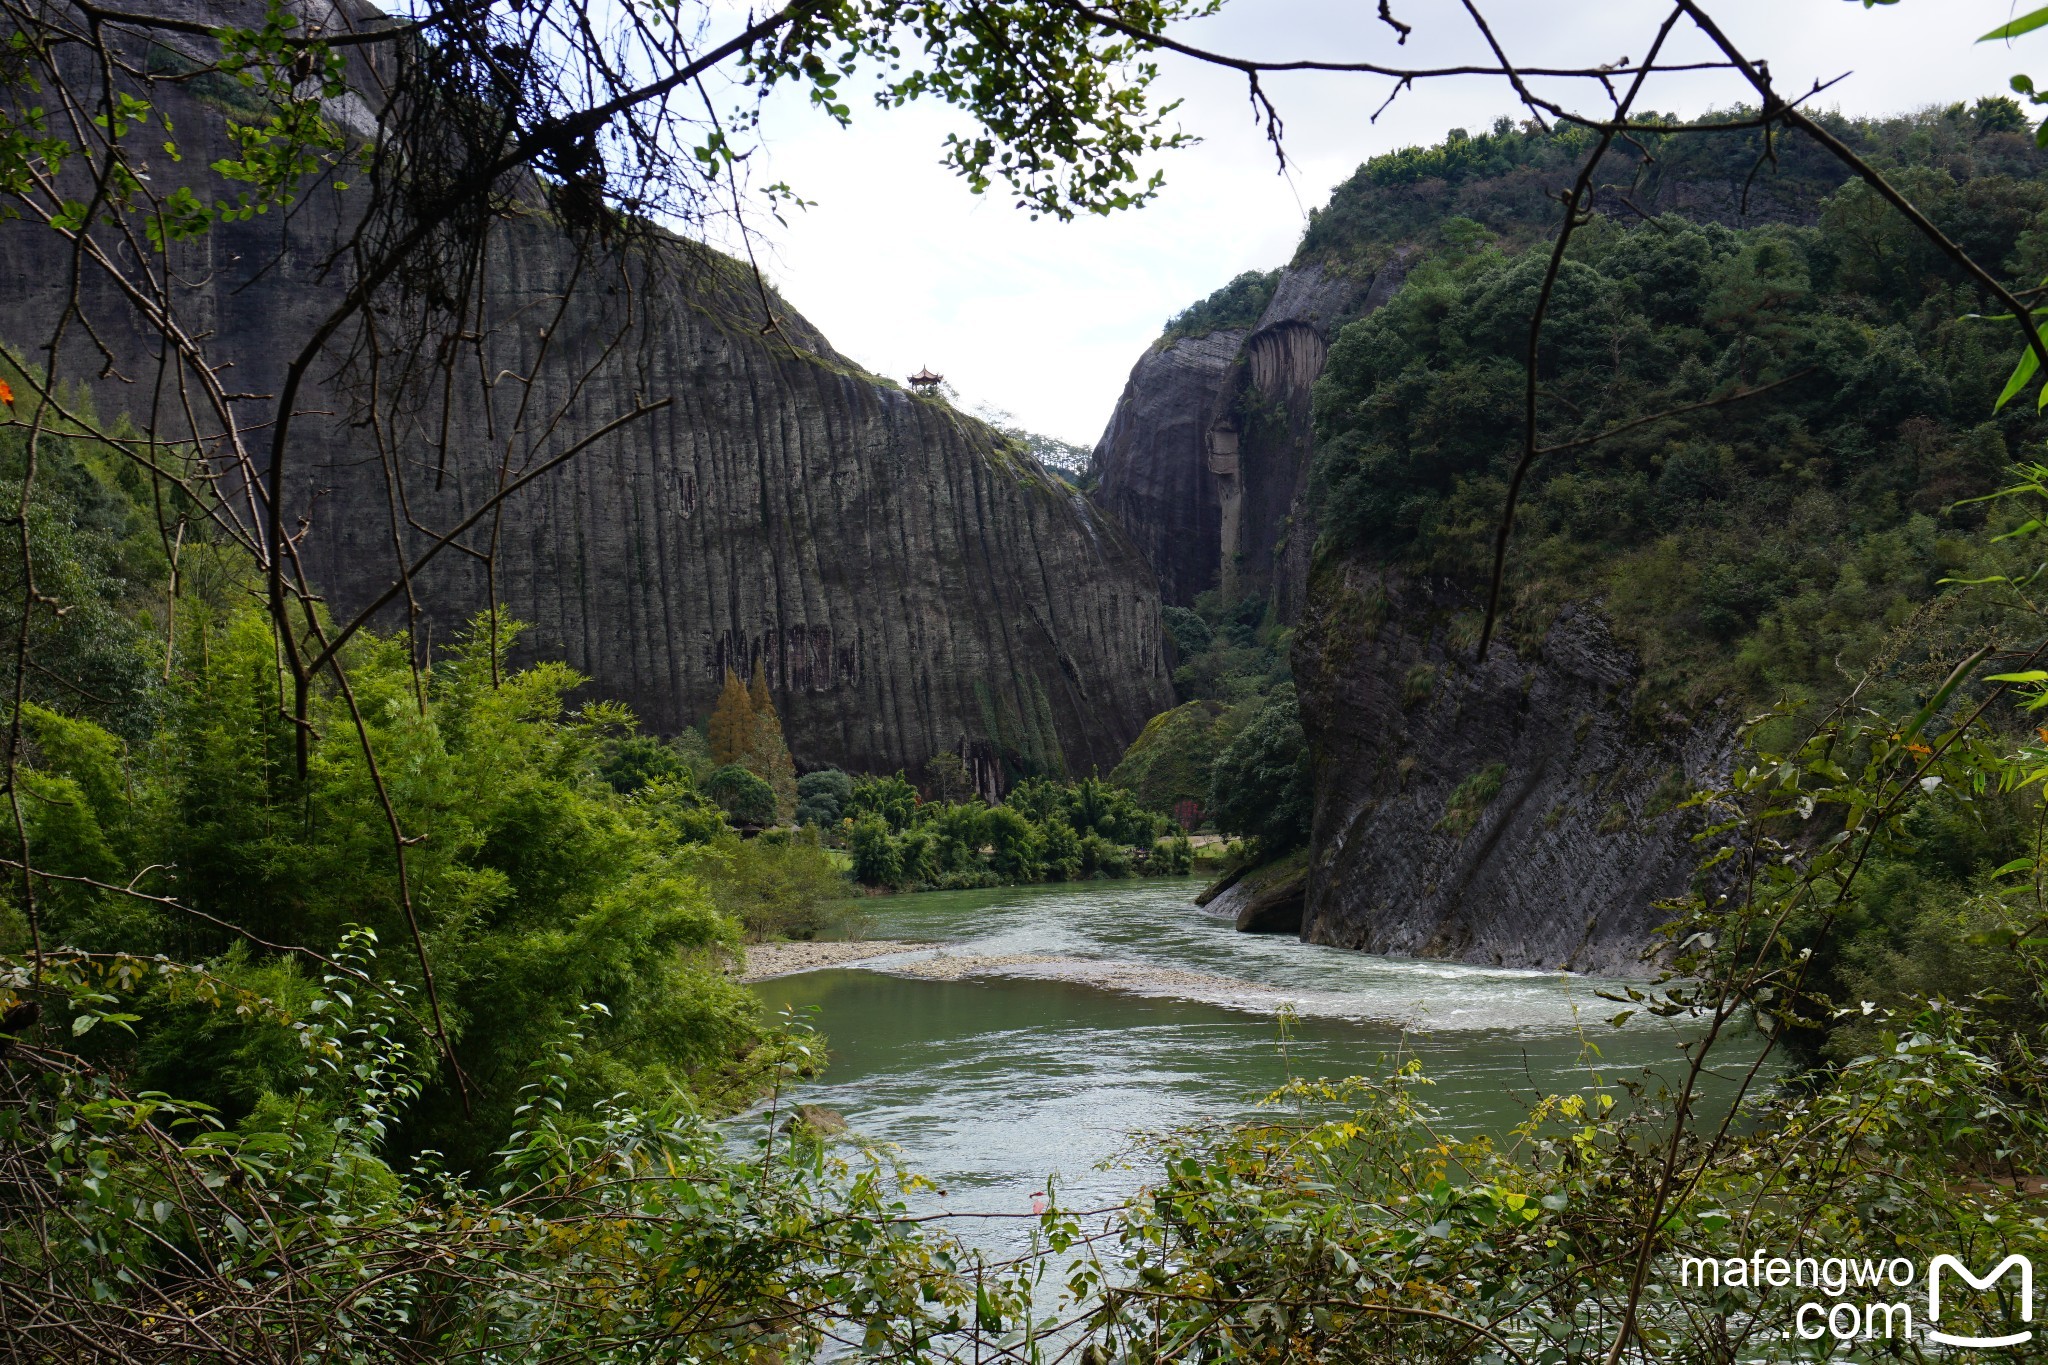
<point x="1206" y="458"/>
<point x="911" y="581"/>
<point x="1512" y="812"/>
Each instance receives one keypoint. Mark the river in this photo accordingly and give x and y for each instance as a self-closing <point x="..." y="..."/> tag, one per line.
<point x="1116" y="1008"/>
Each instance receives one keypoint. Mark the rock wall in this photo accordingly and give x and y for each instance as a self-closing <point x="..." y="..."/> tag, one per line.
<point x="1153" y="461"/>
<point x="1562" y="866"/>
<point x="1206" y="462"/>
<point x="912" y="582"/>
<point x="1206" y="458"/>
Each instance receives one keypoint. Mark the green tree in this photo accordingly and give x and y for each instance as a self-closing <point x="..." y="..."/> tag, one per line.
<point x="877" y="859"/>
<point x="822" y="796"/>
<point x="634" y="761"/>
<point x="768" y="754"/>
<point x="743" y="795"/>
<point x="1060" y="850"/>
<point x="1014" y="844"/>
<point x="1262" y="787"/>
<point x="779" y="886"/>
<point x="947" y="776"/>
<point x="892" y="799"/>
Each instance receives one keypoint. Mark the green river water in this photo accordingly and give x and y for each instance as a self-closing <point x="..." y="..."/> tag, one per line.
<point x="991" y="1084"/>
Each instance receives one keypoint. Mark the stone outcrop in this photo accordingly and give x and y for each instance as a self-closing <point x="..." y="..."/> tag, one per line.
<point x="1565" y="833"/>
<point x="911" y="581"/>
<point x="1206" y="458"/>
<point x="1266" y="900"/>
<point x="1153" y="462"/>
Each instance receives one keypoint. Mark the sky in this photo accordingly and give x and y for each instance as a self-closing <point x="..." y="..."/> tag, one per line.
<point x="903" y="267"/>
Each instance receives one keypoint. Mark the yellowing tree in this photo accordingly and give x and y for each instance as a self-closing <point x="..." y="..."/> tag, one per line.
<point x="768" y="755"/>
<point x="733" y="729"/>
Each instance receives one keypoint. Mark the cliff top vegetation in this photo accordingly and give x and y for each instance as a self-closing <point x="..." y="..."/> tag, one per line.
<point x="1761" y="442"/>
<point x="1237" y="304"/>
<point x="1503" y="178"/>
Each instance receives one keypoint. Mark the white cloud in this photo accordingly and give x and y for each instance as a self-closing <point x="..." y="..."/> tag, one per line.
<point x="902" y="267"/>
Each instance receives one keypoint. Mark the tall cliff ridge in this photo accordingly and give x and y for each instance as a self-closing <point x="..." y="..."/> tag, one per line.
<point x="1513" y="812"/>
<point x="1206" y="458"/>
<point x="1340" y="453"/>
<point x="912" y="581"/>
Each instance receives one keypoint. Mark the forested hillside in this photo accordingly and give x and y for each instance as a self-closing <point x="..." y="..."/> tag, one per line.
<point x="370" y="986"/>
<point x="1760" y="447"/>
<point x="1764" y="541"/>
<point x="1765" y="405"/>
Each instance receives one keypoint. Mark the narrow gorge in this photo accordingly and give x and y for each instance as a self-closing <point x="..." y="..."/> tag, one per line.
<point x="1524" y="810"/>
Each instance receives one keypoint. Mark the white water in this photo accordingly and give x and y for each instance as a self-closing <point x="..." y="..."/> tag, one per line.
<point x="992" y="1085"/>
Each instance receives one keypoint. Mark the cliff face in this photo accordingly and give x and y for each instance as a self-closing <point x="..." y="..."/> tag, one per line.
<point x="1517" y="812"/>
<point x="1509" y="812"/>
<point x="1153" y="461"/>
<point x="1206" y="458"/>
<point x="912" y="582"/>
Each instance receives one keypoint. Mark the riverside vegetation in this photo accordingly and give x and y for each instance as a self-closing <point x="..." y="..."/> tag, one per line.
<point x="373" y="1013"/>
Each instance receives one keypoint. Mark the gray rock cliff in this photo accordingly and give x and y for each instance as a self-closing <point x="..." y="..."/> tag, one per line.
<point x="911" y="581"/>
<point x="1206" y="458"/>
<point x="1206" y="463"/>
<point x="1512" y="812"/>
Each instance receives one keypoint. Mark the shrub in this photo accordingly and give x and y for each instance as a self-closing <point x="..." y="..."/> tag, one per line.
<point x="540" y="888"/>
<point x="779" y="886"/>
<point x="745" y="797"/>
<point x="821" y="797"/>
<point x="630" y="763"/>
<point x="1237" y="304"/>
<point x="876" y="859"/>
<point x="1190" y="633"/>
<point x="892" y="799"/>
<point x="1420" y="682"/>
<point x="1101" y="858"/>
<point x="1060" y="850"/>
<point x="1014" y="844"/>
<point x="1261" y="787"/>
<point x="1173" y="857"/>
<point x="1470" y="797"/>
<point x="687" y="814"/>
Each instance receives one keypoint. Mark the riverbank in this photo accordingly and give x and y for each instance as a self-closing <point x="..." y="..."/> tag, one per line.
<point x="1027" y="1034"/>
<point x="768" y="960"/>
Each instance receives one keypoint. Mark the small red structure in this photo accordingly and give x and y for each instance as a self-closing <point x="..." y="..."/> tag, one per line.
<point x="924" y="381"/>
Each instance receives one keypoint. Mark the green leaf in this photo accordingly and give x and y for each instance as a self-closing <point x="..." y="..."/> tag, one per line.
<point x="1955" y="680"/>
<point x="2032" y="675"/>
<point x="2021" y="373"/>
<point x="2026" y="23"/>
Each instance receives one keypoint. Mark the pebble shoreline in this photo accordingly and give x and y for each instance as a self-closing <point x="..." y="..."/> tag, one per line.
<point x="780" y="959"/>
<point x="766" y="960"/>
